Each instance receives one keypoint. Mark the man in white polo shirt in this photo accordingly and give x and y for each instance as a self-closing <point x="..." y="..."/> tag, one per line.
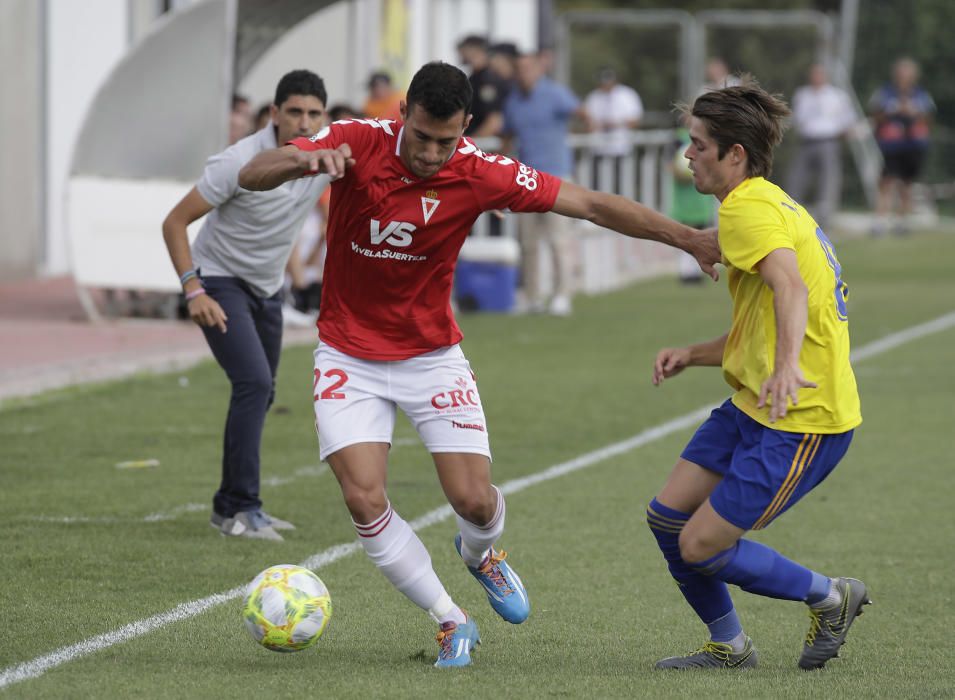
<point x="612" y="110"/>
<point x="822" y="114"/>
<point x="232" y="279"/>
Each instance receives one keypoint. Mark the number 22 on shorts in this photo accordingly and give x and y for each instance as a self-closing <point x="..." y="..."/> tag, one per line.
<point x="332" y="390"/>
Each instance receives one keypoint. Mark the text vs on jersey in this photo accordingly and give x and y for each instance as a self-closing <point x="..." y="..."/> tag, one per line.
<point x="397" y="233"/>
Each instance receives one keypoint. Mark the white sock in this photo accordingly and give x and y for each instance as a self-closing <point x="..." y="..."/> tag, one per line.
<point x="398" y="553"/>
<point x="476" y="540"/>
<point x="830" y="601"/>
<point x="446" y="611"/>
<point x="738" y="643"/>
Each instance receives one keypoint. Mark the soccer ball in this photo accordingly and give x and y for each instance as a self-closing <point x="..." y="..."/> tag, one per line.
<point x="286" y="608"/>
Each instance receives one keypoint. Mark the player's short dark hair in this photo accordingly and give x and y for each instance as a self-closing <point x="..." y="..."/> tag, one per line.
<point x="473" y="41"/>
<point x="440" y="89"/>
<point x="300" y="82"/>
<point x="745" y="114"/>
<point x="238" y="100"/>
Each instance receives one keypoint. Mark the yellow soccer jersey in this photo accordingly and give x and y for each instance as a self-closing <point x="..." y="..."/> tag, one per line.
<point x="755" y="219"/>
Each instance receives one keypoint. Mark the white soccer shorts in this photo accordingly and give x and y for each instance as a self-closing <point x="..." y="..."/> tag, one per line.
<point x="355" y="400"/>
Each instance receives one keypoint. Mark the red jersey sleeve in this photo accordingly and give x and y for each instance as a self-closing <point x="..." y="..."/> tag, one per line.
<point x="356" y="133"/>
<point x="504" y="183"/>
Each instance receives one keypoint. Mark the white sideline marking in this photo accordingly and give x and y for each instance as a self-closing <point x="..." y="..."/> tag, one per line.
<point x="175" y="512"/>
<point x="297" y="474"/>
<point x="40" y="665"/>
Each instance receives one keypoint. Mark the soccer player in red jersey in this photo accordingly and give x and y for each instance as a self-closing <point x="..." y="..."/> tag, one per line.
<point x="404" y="197"/>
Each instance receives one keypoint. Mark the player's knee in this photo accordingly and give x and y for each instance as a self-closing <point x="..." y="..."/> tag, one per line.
<point x="364" y="504"/>
<point x="695" y="547"/>
<point x="477" y="508"/>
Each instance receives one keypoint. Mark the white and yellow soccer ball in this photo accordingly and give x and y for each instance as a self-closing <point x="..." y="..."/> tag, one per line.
<point x="287" y="608"/>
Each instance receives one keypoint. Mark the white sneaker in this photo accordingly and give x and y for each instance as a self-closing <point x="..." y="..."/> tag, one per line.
<point x="560" y="305"/>
<point x="294" y="318"/>
<point x="251" y="524"/>
<point x="522" y="307"/>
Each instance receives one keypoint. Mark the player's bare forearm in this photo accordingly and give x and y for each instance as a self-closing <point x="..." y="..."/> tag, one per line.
<point x="621" y="215"/>
<point x="790" y="303"/>
<point x="269" y="169"/>
<point x="638" y="221"/>
<point x="708" y="354"/>
<point x="780" y="271"/>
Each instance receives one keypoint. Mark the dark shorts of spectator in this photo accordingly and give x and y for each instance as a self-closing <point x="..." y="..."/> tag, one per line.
<point x="903" y="164"/>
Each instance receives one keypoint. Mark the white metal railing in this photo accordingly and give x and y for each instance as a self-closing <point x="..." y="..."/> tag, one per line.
<point x="604" y="260"/>
<point x="639" y="174"/>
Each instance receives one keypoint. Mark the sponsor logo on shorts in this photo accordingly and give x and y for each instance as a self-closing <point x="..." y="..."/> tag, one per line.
<point x="456" y="398"/>
<point x="468" y="426"/>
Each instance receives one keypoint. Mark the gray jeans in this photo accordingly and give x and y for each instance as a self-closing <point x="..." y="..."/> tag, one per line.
<point x="817" y="165"/>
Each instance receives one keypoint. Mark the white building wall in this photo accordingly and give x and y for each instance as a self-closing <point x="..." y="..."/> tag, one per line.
<point x="319" y="44"/>
<point x="85" y="40"/>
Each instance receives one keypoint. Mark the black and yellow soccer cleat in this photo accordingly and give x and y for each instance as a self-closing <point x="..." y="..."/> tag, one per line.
<point x="713" y="655"/>
<point x="829" y="626"/>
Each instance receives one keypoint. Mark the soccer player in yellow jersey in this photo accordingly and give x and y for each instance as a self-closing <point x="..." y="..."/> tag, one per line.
<point x="791" y="419"/>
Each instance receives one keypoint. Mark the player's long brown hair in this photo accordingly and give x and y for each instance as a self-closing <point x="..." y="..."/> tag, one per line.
<point x="744" y="114"/>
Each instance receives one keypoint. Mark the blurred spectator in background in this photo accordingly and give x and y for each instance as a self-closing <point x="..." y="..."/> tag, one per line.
<point x="342" y="111"/>
<point x="240" y="118"/>
<point x="687" y="205"/>
<point x="305" y="268"/>
<point x="263" y="117"/>
<point x="537" y="114"/>
<point x="548" y="60"/>
<point x="902" y="111"/>
<point x="232" y="277"/>
<point x="384" y="100"/>
<point x="611" y="110"/>
<point x="718" y="75"/>
<point x="489" y="89"/>
<point x="502" y="60"/>
<point x="822" y="116"/>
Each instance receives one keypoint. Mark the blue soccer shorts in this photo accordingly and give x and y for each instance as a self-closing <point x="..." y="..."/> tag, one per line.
<point x="764" y="471"/>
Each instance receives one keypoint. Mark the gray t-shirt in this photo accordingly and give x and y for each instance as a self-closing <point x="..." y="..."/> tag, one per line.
<point x="248" y="234"/>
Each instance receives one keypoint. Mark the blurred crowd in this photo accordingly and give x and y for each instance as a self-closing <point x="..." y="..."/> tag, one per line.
<point x="519" y="108"/>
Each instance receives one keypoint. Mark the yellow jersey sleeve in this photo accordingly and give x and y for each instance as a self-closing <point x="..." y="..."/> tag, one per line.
<point x="750" y="229"/>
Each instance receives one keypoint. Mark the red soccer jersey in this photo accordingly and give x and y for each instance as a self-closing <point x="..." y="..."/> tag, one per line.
<point x="393" y="239"/>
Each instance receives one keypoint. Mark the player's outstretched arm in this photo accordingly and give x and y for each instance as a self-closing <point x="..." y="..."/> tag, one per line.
<point x="671" y="361"/>
<point x="637" y="221"/>
<point x="780" y="271"/>
<point x="271" y="168"/>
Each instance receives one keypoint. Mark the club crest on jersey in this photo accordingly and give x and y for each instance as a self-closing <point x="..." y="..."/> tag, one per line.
<point x="429" y="203"/>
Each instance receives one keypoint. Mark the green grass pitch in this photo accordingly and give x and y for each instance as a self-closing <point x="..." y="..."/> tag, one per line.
<point x="604" y="607"/>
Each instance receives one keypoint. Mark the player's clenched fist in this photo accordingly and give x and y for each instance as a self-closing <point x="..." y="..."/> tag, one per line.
<point x="332" y="162"/>
<point x="670" y="362"/>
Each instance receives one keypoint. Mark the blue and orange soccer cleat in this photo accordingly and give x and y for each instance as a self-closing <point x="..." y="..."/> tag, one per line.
<point x="505" y="590"/>
<point x="457" y="641"/>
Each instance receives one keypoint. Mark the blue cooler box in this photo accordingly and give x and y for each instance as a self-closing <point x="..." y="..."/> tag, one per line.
<point x="485" y="286"/>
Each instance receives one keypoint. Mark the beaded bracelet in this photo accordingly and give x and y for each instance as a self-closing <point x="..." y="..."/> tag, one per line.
<point x="187" y="275"/>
